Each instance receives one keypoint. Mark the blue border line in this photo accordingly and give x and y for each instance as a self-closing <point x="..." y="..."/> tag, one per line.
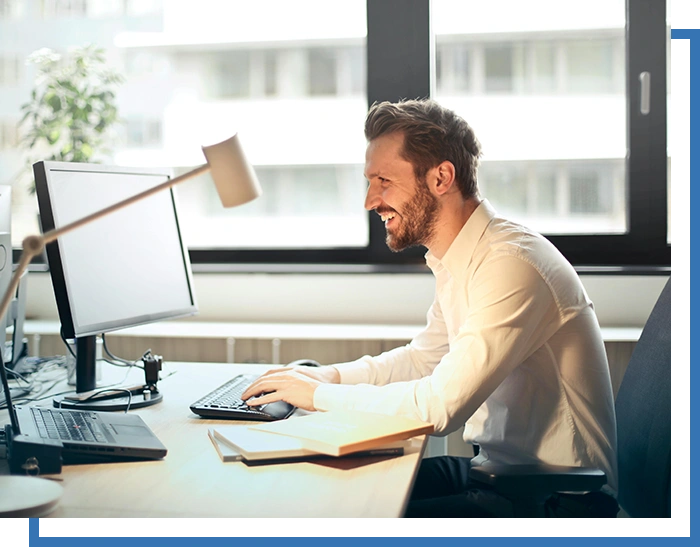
<point x="694" y="115"/>
<point x="36" y="541"/>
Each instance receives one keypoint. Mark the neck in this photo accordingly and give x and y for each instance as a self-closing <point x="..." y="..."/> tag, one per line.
<point x="453" y="216"/>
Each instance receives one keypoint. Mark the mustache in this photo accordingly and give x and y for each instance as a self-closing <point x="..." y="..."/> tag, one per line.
<point x="384" y="210"/>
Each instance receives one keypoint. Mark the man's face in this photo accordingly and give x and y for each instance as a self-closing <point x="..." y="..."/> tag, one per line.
<point x="405" y="203"/>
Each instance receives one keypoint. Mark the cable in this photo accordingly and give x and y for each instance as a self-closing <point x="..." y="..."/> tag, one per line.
<point x="63" y="337"/>
<point x="125" y="361"/>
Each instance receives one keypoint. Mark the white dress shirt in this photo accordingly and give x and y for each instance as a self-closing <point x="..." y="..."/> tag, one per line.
<point x="512" y="350"/>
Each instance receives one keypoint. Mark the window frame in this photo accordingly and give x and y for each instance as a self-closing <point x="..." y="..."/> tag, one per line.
<point x="400" y="51"/>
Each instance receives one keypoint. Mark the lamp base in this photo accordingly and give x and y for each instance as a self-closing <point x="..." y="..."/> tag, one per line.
<point x="28" y="497"/>
<point x="138" y="400"/>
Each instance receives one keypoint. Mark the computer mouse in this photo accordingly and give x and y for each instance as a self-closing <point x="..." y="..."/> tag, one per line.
<point x="279" y="410"/>
<point x="304" y="363"/>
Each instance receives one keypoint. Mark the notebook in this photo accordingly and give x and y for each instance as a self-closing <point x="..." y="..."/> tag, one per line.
<point x="257" y="447"/>
<point x="93" y="437"/>
<point x="225" y="452"/>
<point x="341" y="432"/>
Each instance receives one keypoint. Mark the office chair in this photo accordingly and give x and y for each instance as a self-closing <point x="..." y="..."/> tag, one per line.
<point x="643" y="413"/>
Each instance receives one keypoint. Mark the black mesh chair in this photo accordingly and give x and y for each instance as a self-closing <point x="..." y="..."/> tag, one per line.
<point x="643" y="409"/>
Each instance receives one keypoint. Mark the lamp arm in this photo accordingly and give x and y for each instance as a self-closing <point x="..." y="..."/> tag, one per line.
<point x="53" y="235"/>
<point x="33" y="245"/>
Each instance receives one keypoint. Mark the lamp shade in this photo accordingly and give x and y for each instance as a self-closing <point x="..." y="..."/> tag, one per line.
<point x="233" y="176"/>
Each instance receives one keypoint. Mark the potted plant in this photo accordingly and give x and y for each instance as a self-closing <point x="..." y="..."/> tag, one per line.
<point x="72" y="112"/>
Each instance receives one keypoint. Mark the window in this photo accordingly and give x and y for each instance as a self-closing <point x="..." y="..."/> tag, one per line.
<point x="453" y="68"/>
<point x="322" y="72"/>
<point x="145" y="133"/>
<point x="268" y="60"/>
<point x="139" y="8"/>
<point x="543" y="55"/>
<point x="549" y="87"/>
<point x="551" y="90"/>
<point x="498" y="68"/>
<point x="231" y="74"/>
<point x="9" y="70"/>
<point x="11" y="9"/>
<point x="590" y="67"/>
<point x="515" y="115"/>
<point x="9" y="136"/>
<point x="63" y="8"/>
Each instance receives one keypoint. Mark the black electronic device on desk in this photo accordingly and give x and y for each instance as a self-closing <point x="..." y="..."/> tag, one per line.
<point x="225" y="401"/>
<point x="41" y="440"/>
<point x="126" y="269"/>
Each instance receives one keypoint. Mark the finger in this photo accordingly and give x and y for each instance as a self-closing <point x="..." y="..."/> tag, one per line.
<point x="278" y="370"/>
<point x="261" y="385"/>
<point x="254" y="389"/>
<point x="264" y="399"/>
<point x="274" y="371"/>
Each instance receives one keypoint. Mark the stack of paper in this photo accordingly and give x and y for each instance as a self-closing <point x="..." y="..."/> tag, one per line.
<point x="320" y="434"/>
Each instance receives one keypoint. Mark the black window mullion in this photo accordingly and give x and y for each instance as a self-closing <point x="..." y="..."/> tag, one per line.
<point x="399" y="58"/>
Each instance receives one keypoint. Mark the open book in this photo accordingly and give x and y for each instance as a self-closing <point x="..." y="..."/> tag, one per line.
<point x="338" y="433"/>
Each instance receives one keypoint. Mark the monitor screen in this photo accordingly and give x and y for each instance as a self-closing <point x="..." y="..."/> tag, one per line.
<point x="128" y="268"/>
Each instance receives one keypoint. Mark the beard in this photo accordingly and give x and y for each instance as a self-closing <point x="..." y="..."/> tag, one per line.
<point x="417" y="222"/>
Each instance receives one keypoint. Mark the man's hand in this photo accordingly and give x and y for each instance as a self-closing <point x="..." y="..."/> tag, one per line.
<point x="295" y="386"/>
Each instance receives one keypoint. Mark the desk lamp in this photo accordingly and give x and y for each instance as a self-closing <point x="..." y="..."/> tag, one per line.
<point x="233" y="176"/>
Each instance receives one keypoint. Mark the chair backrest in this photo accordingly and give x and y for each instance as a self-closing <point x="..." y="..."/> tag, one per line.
<point x="643" y="408"/>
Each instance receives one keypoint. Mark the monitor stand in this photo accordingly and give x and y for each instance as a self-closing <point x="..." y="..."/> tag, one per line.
<point x="87" y="396"/>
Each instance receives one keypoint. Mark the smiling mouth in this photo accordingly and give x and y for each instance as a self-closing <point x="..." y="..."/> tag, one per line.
<point x="387" y="216"/>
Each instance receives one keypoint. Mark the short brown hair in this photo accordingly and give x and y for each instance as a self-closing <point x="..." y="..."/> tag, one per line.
<point x="432" y="134"/>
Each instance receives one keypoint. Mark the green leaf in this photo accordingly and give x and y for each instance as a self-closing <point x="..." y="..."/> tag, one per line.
<point x="54" y="101"/>
<point x="72" y="104"/>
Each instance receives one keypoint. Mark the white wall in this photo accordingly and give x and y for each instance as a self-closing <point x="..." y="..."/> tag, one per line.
<point x="358" y="298"/>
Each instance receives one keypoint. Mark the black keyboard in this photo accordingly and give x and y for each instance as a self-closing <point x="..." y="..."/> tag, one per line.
<point x="68" y="425"/>
<point x="225" y="402"/>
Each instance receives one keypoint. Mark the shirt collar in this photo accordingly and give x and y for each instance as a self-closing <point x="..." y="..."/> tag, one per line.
<point x="460" y="252"/>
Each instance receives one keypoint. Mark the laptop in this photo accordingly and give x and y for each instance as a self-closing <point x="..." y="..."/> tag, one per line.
<point x="76" y="436"/>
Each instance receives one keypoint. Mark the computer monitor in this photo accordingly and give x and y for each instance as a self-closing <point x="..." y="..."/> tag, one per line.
<point x="126" y="269"/>
<point x="17" y="350"/>
<point x="5" y="241"/>
<point x="5" y="208"/>
<point x="15" y="315"/>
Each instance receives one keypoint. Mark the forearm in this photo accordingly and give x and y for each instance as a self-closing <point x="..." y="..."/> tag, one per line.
<point x="401" y="364"/>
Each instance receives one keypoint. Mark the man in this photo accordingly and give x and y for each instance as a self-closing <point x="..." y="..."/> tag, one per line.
<point x="512" y="349"/>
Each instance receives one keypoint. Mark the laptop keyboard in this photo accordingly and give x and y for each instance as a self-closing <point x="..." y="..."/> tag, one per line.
<point x="68" y="425"/>
<point x="225" y="402"/>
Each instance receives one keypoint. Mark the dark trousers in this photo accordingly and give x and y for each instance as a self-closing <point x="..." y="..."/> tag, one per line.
<point x="443" y="490"/>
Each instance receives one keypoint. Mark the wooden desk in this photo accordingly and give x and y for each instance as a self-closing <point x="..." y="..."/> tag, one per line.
<point x="193" y="482"/>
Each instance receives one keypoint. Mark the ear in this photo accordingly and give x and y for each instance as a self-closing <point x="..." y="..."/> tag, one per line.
<point x="444" y="177"/>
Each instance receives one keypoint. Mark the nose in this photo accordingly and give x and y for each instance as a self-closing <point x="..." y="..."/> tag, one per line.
<point x="373" y="197"/>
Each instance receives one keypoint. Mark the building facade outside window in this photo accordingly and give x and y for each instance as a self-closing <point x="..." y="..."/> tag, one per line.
<point x="545" y="84"/>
